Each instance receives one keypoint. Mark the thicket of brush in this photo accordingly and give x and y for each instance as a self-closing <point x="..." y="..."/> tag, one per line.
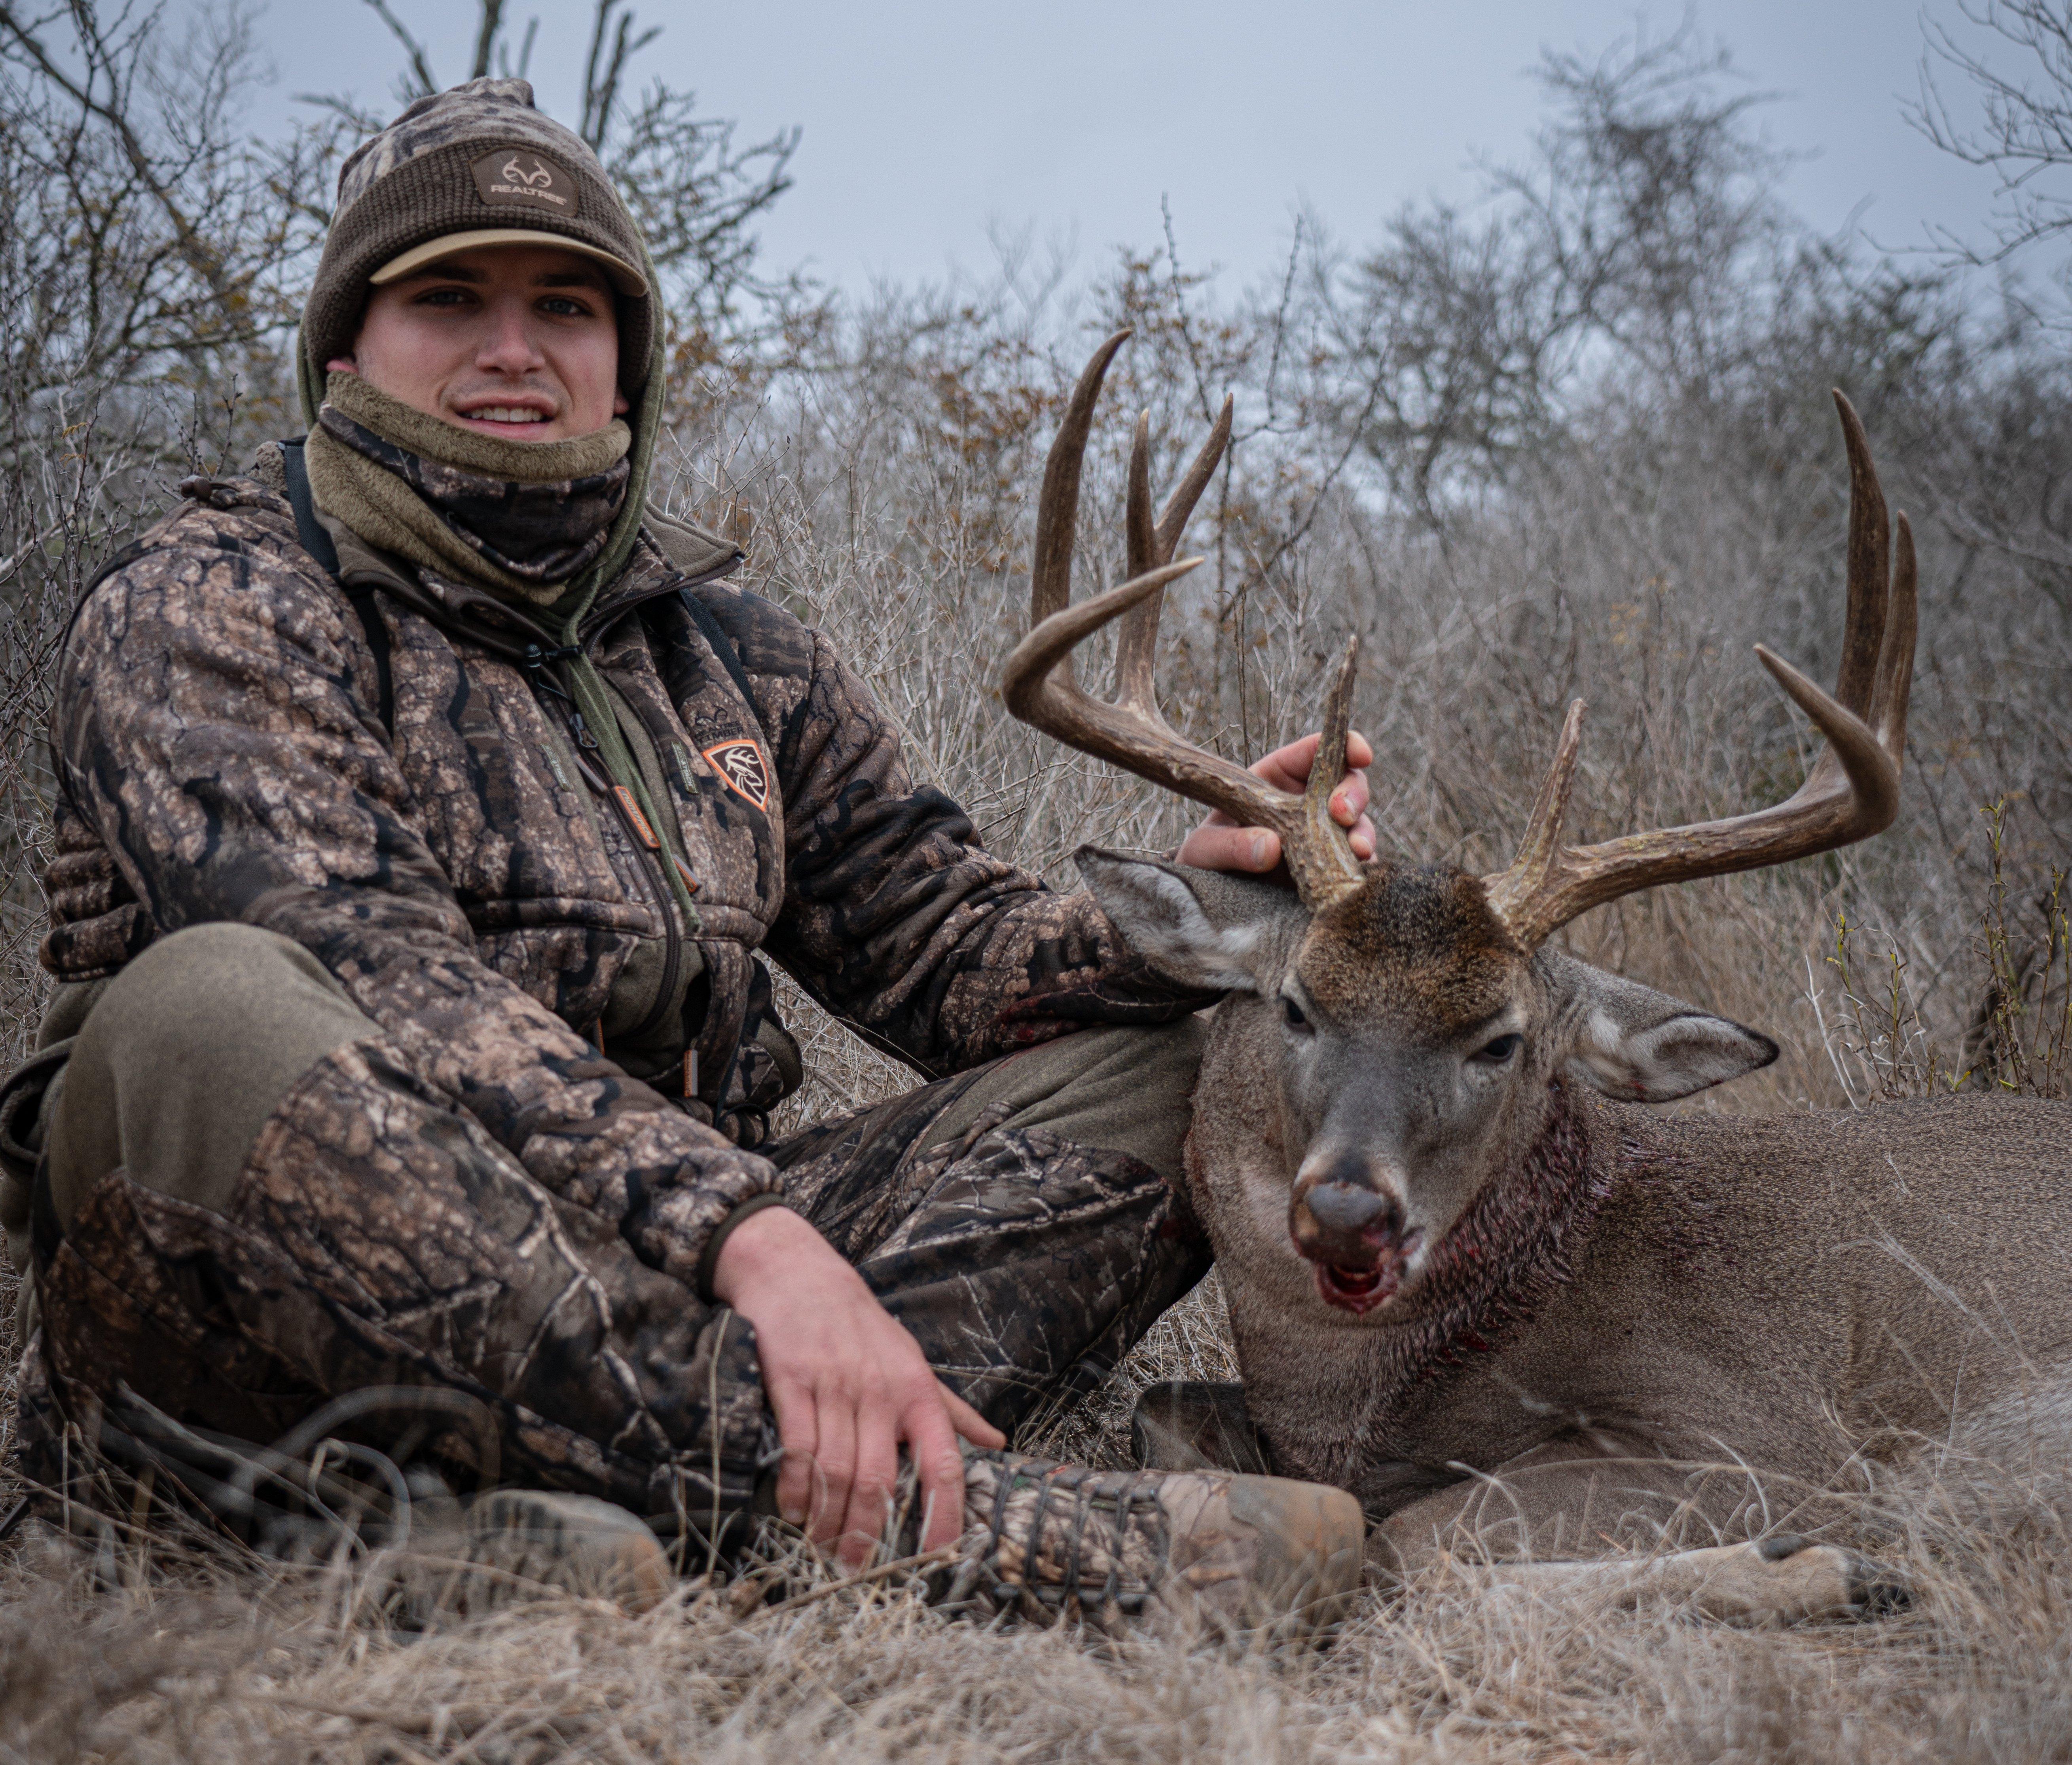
<point x="1576" y="440"/>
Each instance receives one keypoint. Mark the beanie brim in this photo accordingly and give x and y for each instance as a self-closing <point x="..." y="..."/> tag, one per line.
<point x="625" y="277"/>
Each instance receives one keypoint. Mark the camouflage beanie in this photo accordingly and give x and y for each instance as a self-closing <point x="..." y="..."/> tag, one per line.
<point x="479" y="165"/>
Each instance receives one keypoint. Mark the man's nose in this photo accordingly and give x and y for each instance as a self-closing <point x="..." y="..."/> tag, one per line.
<point x="507" y="344"/>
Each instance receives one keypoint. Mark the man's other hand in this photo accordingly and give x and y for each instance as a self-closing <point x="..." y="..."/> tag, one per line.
<point x="1221" y="844"/>
<point x="849" y="1387"/>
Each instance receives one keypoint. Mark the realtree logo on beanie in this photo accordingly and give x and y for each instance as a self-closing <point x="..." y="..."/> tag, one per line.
<point x="520" y="178"/>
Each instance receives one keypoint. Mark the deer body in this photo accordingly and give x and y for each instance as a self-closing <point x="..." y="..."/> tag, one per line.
<point x="1485" y="1293"/>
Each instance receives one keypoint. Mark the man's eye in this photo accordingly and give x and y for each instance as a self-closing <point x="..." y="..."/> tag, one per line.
<point x="1500" y="1049"/>
<point x="561" y="306"/>
<point x="1291" y="1014"/>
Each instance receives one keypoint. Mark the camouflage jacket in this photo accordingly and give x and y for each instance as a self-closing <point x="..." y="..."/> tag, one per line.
<point x="400" y="794"/>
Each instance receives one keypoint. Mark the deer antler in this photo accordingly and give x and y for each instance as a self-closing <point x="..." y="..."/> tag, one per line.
<point x="1851" y="792"/>
<point x="1039" y="689"/>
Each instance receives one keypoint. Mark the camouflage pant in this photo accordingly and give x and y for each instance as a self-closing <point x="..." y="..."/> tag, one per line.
<point x="239" y="1256"/>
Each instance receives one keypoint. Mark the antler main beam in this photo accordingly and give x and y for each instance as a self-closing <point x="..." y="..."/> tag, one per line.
<point x="1851" y="792"/>
<point x="1038" y="685"/>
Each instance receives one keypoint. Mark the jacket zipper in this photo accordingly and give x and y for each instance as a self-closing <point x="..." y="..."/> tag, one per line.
<point x="536" y="655"/>
<point x="645" y="841"/>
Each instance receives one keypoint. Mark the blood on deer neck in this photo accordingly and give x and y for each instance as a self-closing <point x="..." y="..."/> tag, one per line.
<point x="1508" y="1251"/>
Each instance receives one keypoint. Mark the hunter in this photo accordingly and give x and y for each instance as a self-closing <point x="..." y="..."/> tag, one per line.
<point x="426" y="798"/>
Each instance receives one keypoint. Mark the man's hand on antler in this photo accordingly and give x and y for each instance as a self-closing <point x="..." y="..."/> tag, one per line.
<point x="1220" y="844"/>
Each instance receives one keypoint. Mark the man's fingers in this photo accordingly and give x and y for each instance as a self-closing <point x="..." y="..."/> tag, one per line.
<point x="1231" y="849"/>
<point x="932" y="1445"/>
<point x="876" y="1467"/>
<point x="1287" y="768"/>
<point x="835" y="1464"/>
<point x="796" y="1427"/>
<point x="968" y="1422"/>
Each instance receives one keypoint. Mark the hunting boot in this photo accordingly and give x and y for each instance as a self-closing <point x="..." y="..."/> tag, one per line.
<point x="507" y="1546"/>
<point x="430" y="1549"/>
<point x="1236" y="1553"/>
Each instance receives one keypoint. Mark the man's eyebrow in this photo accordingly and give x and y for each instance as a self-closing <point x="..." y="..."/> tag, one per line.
<point x="571" y="278"/>
<point x="446" y="273"/>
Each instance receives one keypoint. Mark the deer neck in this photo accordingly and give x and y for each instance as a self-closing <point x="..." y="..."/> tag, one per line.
<point x="1510" y="1251"/>
<point x="1506" y="1255"/>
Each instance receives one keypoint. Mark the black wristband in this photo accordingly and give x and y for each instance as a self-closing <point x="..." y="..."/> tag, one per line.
<point x="708" y="1261"/>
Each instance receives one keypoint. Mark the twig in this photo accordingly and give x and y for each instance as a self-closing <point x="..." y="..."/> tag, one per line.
<point x="927" y="1559"/>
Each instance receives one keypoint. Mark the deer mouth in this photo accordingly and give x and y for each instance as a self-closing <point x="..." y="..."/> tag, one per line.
<point x="1355" y="1290"/>
<point x="1358" y="1288"/>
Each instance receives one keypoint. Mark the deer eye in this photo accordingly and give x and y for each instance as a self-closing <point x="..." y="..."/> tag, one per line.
<point x="1495" y="1052"/>
<point x="1291" y="1013"/>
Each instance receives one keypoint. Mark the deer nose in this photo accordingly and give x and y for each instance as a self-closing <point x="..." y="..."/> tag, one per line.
<point x="1340" y="1215"/>
<point x="1343" y="1206"/>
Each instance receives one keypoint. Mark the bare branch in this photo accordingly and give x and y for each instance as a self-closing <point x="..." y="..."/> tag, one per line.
<point x="419" y="82"/>
<point x="2026" y="132"/>
<point x="485" y="37"/>
<point x="203" y="258"/>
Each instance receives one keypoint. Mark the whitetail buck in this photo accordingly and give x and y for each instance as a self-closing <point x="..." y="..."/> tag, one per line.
<point x="1469" y="1280"/>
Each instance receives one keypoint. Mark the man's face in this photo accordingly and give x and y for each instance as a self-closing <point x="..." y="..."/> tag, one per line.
<point x="515" y="340"/>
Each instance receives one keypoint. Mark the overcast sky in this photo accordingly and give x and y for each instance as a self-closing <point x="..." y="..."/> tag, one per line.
<point x="930" y="126"/>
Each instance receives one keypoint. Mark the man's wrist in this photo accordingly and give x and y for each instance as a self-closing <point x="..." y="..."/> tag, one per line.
<point x="708" y="1259"/>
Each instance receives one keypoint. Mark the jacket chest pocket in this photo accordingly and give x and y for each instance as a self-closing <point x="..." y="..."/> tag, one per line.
<point x="715" y="770"/>
<point x="503" y="808"/>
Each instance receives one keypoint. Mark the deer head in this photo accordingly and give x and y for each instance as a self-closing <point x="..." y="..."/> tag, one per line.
<point x="1398" y="1038"/>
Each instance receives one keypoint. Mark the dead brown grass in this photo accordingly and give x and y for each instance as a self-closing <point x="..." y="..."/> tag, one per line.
<point x="121" y="1657"/>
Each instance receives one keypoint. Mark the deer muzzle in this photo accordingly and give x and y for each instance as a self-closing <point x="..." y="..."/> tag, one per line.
<point x="1352" y="1230"/>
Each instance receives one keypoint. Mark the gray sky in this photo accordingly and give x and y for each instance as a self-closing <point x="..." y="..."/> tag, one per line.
<point x="928" y="126"/>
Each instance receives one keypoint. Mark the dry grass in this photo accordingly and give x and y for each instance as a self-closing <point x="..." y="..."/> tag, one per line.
<point x="122" y="1657"/>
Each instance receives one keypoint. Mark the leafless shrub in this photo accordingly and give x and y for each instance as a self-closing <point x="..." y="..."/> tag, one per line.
<point x="694" y="190"/>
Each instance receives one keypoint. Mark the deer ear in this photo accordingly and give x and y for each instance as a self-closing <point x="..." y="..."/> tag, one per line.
<point x="1202" y="928"/>
<point x="1640" y="1046"/>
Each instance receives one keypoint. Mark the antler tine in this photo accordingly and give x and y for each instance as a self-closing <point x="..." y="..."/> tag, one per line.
<point x="1851" y="792"/>
<point x="1152" y="544"/>
<point x="1540" y="850"/>
<point x="1136" y="636"/>
<point x="1173" y="518"/>
<point x="1143" y="531"/>
<point x="1322" y="861"/>
<point x="1870" y="566"/>
<point x="1869" y="579"/>
<point x="1036" y="681"/>
<point x="1058" y="508"/>
<point x="1895" y="672"/>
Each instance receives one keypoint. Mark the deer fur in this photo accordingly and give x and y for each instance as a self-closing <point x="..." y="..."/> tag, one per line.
<point x="1560" y="1321"/>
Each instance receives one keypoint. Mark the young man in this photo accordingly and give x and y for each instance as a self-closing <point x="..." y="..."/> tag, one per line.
<point x="425" y="800"/>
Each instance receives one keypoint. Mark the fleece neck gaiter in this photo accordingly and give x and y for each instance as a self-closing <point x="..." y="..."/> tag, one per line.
<point x="520" y="518"/>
